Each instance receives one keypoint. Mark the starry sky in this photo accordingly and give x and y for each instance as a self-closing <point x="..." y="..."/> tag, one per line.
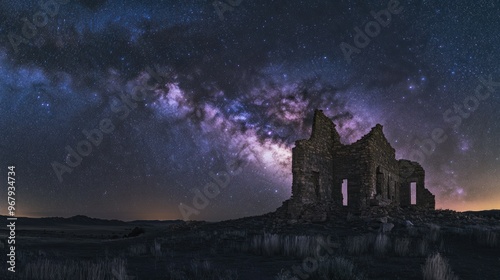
<point x="230" y="88"/>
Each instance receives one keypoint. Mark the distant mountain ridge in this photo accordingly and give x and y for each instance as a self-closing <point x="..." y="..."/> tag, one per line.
<point x="82" y="220"/>
<point x="85" y="220"/>
<point x="495" y="213"/>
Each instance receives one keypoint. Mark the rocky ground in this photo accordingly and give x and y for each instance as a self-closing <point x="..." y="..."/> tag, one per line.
<point x="378" y="243"/>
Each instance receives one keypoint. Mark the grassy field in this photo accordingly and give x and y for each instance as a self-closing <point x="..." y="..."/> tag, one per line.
<point x="256" y="248"/>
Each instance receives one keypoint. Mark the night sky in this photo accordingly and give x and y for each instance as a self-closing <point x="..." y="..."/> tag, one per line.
<point x="229" y="91"/>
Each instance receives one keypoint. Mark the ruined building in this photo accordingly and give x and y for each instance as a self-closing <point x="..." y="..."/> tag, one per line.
<point x="329" y="174"/>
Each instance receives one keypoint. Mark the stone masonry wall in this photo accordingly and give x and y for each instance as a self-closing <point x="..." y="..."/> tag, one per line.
<point x="384" y="168"/>
<point x="411" y="171"/>
<point x="374" y="176"/>
<point x="312" y="165"/>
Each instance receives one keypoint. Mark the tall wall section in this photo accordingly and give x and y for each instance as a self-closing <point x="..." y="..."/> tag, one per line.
<point x="312" y="162"/>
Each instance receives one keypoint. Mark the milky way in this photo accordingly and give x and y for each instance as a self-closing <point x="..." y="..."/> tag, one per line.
<point x="235" y="94"/>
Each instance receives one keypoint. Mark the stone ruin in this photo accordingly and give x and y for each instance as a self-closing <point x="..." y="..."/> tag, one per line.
<point x="367" y="170"/>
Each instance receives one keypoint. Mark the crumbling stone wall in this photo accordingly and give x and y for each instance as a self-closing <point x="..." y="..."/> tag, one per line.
<point x="411" y="171"/>
<point x="351" y="162"/>
<point x="383" y="167"/>
<point x="312" y="165"/>
<point x="374" y="176"/>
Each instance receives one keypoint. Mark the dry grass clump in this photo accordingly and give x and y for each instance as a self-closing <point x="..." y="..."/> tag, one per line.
<point x="336" y="268"/>
<point x="381" y="245"/>
<point x="434" y="233"/>
<point x="137" y="249"/>
<point x="437" y="268"/>
<point x="43" y="268"/>
<point x="362" y="244"/>
<point x="402" y="246"/>
<point x="486" y="237"/>
<point x="295" y="246"/>
<point x="284" y="275"/>
<point x="200" y="270"/>
<point x="155" y="249"/>
<point x="141" y="249"/>
<point x="357" y="245"/>
<point x="413" y="231"/>
<point x="422" y="248"/>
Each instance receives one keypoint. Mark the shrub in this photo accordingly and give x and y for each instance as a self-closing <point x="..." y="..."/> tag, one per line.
<point x="136" y="232"/>
<point x="437" y="268"/>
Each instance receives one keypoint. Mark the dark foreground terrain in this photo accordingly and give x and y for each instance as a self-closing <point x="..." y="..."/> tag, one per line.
<point x="380" y="244"/>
